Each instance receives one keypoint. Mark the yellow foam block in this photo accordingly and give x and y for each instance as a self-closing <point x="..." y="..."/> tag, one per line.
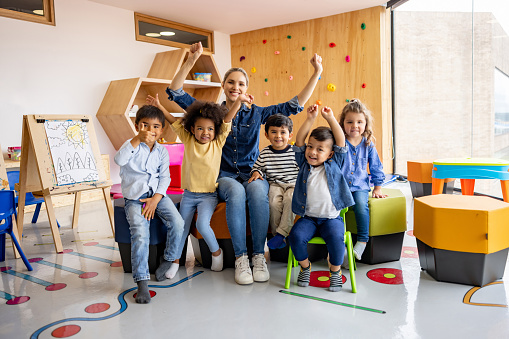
<point x="420" y="171"/>
<point x="462" y="223"/>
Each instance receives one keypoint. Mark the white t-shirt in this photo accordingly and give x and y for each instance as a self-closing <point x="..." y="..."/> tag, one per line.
<point x="319" y="202"/>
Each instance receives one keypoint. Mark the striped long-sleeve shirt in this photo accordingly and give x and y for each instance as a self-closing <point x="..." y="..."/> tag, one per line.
<point x="277" y="165"/>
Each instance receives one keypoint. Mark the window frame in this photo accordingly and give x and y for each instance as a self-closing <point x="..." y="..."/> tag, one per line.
<point x="47" y="19"/>
<point x="171" y="24"/>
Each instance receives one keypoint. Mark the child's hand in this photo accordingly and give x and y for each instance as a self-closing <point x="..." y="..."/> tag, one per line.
<point x="153" y="101"/>
<point x="256" y="175"/>
<point x="149" y="208"/>
<point x="316" y="61"/>
<point x="312" y="111"/>
<point x="196" y="50"/>
<point x="246" y="98"/>
<point x="146" y="136"/>
<point x="327" y="113"/>
<point x="377" y="192"/>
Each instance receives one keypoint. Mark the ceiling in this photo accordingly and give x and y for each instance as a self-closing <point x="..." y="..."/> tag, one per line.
<point x="237" y="16"/>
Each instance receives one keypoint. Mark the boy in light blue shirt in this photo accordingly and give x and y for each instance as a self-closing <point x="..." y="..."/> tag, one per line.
<point x="145" y="176"/>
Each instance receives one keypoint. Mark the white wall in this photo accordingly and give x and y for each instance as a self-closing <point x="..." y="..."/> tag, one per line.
<point x="66" y="69"/>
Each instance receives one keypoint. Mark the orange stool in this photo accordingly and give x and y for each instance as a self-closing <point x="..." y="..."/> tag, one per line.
<point x="419" y="175"/>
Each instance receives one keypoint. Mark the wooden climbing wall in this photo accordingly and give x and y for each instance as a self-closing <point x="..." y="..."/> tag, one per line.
<point x="369" y="52"/>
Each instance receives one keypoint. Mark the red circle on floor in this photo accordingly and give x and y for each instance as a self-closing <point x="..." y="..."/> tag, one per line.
<point x="321" y="279"/>
<point x="152" y="294"/>
<point x="410" y="233"/>
<point x="56" y="287"/>
<point x="409" y="252"/>
<point x="390" y="276"/>
<point x="88" y="275"/>
<point x="66" y="331"/>
<point x="116" y="264"/>
<point x="93" y="243"/>
<point x="97" y="308"/>
<point x="34" y="259"/>
<point x="68" y="250"/>
<point x="18" y="300"/>
<point x="6" y="268"/>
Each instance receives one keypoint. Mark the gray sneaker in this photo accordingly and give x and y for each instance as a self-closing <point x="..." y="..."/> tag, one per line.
<point x="260" y="271"/>
<point x="243" y="275"/>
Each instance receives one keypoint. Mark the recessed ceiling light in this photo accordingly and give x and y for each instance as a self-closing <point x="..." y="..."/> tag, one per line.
<point x="38" y="11"/>
<point x="153" y="35"/>
<point x="166" y="33"/>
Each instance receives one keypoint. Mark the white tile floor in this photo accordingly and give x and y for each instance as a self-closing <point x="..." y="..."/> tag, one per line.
<point x="209" y="304"/>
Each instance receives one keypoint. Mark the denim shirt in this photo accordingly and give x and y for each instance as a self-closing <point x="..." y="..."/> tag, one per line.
<point x="338" y="188"/>
<point x="242" y="145"/>
<point x="355" y="167"/>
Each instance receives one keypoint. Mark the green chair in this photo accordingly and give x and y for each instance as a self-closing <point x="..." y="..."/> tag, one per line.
<point x="292" y="262"/>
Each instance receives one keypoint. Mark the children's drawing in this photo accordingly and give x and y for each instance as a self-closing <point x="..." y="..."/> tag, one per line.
<point x="71" y="152"/>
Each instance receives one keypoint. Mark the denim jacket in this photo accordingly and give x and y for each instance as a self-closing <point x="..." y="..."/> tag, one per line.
<point x="356" y="163"/>
<point x="338" y="188"/>
<point x="242" y="145"/>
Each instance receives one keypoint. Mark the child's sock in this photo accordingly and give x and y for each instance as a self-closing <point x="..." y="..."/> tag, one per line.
<point x="336" y="281"/>
<point x="143" y="294"/>
<point x="358" y="249"/>
<point x="345" y="264"/>
<point x="304" y="276"/>
<point x="217" y="262"/>
<point x="161" y="270"/>
<point x="277" y="242"/>
<point x="172" y="271"/>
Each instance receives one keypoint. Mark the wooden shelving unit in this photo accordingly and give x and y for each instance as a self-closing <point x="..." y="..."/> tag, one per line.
<point x="113" y="114"/>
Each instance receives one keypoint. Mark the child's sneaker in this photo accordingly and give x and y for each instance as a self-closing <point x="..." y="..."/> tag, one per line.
<point x="260" y="271"/>
<point x="243" y="275"/>
<point x="277" y="242"/>
<point x="336" y="281"/>
<point x="304" y="276"/>
<point x="217" y="262"/>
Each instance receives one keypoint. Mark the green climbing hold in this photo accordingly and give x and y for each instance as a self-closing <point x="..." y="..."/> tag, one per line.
<point x="363" y="26"/>
<point x="347" y="100"/>
<point x="289" y="36"/>
<point x="303" y="48"/>
<point x="266" y="79"/>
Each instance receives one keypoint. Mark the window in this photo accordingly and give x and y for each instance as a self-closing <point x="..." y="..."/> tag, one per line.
<point x="164" y="32"/>
<point x="40" y="11"/>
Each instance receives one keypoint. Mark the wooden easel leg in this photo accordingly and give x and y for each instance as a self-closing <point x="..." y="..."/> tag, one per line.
<point x="109" y="207"/>
<point x="15" y="231"/>
<point x="76" y="211"/>
<point x="53" y="224"/>
<point x="21" y="214"/>
<point x="437" y="185"/>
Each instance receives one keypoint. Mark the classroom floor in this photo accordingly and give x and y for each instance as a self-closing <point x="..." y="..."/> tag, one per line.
<point x="84" y="293"/>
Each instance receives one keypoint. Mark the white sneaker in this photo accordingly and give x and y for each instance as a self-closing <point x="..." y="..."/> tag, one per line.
<point x="243" y="275"/>
<point x="217" y="262"/>
<point x="260" y="271"/>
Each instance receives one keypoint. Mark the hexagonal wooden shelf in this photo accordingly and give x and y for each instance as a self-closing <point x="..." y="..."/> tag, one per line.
<point x="113" y="114"/>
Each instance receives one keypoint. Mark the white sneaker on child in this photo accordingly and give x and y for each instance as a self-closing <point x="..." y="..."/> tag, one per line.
<point x="217" y="262"/>
<point x="243" y="275"/>
<point x="260" y="271"/>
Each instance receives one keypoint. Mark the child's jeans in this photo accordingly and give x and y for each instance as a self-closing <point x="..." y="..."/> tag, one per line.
<point x="205" y="203"/>
<point x="361" y="210"/>
<point x="280" y="205"/>
<point x="331" y="230"/>
<point x="140" y="233"/>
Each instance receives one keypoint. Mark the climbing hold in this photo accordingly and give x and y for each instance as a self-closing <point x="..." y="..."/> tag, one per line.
<point x="242" y="58"/>
<point x="320" y="77"/>
<point x="347" y="58"/>
<point x="363" y="85"/>
<point x="289" y="36"/>
<point x="290" y="77"/>
<point x="363" y="25"/>
<point x="266" y="79"/>
<point x="253" y="70"/>
<point x="319" y="102"/>
<point x="347" y="100"/>
<point x="266" y="93"/>
<point x="303" y="48"/>
<point x="331" y="87"/>
<point x="276" y="52"/>
<point x="332" y="45"/>
<point x="264" y="41"/>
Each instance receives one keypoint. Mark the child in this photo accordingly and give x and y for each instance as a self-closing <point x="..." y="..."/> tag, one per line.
<point x="144" y="171"/>
<point x="277" y="163"/>
<point x="357" y="123"/>
<point x="321" y="192"/>
<point x="203" y="131"/>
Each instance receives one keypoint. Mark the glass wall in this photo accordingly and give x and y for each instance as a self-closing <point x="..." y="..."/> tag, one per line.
<point x="451" y="66"/>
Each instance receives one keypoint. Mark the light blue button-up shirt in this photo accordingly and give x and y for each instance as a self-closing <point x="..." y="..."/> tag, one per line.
<point x="356" y="164"/>
<point x="142" y="170"/>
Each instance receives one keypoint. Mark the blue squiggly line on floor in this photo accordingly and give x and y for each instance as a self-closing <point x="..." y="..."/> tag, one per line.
<point x="121" y="300"/>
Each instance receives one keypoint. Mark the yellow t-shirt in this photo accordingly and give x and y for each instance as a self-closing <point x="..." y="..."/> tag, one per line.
<point x="201" y="163"/>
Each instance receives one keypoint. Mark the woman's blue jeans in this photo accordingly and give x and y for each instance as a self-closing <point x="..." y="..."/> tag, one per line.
<point x="331" y="230"/>
<point x="235" y="194"/>
<point x="361" y="210"/>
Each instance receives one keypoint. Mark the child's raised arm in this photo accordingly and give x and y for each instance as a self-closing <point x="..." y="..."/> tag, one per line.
<point x="247" y="98"/>
<point x="178" y="80"/>
<point x="300" y="139"/>
<point x="155" y="102"/>
<point x="337" y="131"/>
<point x="305" y="94"/>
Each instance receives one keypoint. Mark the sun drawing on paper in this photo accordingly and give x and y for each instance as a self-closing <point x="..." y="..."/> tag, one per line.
<point x="71" y="151"/>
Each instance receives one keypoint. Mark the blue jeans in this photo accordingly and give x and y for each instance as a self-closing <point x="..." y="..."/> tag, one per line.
<point x="235" y="193"/>
<point x="361" y="211"/>
<point x="140" y="233"/>
<point x="331" y="230"/>
<point x="205" y="203"/>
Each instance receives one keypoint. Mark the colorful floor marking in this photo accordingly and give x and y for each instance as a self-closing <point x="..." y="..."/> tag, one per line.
<point x="12" y="299"/>
<point x="333" y="302"/>
<point x="390" y="276"/>
<point x="321" y="279"/>
<point x="81" y="274"/>
<point x="470" y="293"/>
<point x="97" y="308"/>
<point x="410" y="233"/>
<point x="49" y="286"/>
<point x="409" y="252"/>
<point x="123" y="306"/>
<point x="108" y="261"/>
<point x="66" y="331"/>
<point x="96" y="244"/>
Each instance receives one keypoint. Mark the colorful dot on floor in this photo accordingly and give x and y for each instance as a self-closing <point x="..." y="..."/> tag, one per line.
<point x="410" y="233"/>
<point x="116" y="264"/>
<point x="97" y="308"/>
<point x="390" y="276"/>
<point x="66" y="331"/>
<point x="321" y="279"/>
<point x="18" y="300"/>
<point x="68" y="250"/>
<point x="409" y="252"/>
<point x="92" y="243"/>
<point x="88" y="275"/>
<point x="6" y="268"/>
<point x="56" y="287"/>
<point x="152" y="294"/>
<point x="34" y="259"/>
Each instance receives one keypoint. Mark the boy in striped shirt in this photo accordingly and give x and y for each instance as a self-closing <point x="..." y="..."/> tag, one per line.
<point x="277" y="164"/>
